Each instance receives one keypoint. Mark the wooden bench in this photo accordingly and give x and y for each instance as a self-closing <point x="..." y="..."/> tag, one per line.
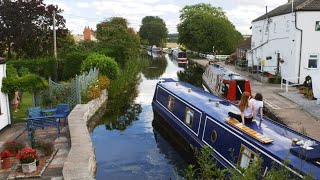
<point x="263" y="139"/>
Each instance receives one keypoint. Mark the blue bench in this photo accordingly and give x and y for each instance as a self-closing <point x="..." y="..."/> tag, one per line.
<point x="42" y="122"/>
<point x="38" y="119"/>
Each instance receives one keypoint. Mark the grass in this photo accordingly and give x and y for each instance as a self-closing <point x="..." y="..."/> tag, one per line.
<point x="23" y="108"/>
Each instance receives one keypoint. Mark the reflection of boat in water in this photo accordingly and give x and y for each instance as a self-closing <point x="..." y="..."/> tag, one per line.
<point x="170" y="145"/>
<point x="167" y="50"/>
<point x="154" y="49"/>
<point x="201" y="118"/>
<point x="154" y="55"/>
<point x="225" y="83"/>
<point x="179" y="55"/>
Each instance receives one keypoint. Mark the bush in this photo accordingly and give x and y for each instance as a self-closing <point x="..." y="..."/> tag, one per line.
<point x="106" y="65"/>
<point x="72" y="64"/>
<point x="103" y="82"/>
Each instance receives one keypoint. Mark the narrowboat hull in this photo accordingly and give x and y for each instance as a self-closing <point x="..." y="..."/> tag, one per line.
<point x="177" y="102"/>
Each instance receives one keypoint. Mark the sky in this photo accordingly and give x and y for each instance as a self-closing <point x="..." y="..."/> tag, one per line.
<point x="81" y="13"/>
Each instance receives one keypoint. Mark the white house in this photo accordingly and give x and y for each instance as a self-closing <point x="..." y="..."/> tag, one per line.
<point x="4" y="100"/>
<point x="286" y="40"/>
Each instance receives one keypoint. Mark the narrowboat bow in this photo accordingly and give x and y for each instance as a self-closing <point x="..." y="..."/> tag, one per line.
<point x="201" y="118"/>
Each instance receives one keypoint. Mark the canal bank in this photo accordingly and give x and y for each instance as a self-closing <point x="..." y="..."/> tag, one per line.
<point x="81" y="160"/>
<point x="287" y="111"/>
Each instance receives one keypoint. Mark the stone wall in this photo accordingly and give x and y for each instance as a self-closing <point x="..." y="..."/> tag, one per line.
<point x="81" y="160"/>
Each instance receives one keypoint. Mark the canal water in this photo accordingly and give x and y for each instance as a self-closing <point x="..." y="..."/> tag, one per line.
<point x="129" y="147"/>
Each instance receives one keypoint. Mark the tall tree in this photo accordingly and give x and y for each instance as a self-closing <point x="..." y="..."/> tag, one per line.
<point x="203" y="26"/>
<point x="153" y="31"/>
<point x="26" y="27"/>
<point x="118" y="39"/>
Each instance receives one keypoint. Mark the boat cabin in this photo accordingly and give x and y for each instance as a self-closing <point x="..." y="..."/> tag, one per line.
<point x="224" y="83"/>
<point x="201" y="118"/>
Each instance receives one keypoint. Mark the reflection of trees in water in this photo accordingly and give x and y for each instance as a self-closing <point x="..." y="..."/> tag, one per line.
<point x="155" y="68"/>
<point x="124" y="119"/>
<point x="192" y="74"/>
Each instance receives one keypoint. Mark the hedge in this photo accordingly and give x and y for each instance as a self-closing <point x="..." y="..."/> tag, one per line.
<point x="72" y="64"/>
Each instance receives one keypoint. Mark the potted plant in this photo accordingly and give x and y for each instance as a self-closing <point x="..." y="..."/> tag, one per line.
<point x="27" y="158"/>
<point x="5" y="159"/>
<point x="13" y="147"/>
<point x="46" y="148"/>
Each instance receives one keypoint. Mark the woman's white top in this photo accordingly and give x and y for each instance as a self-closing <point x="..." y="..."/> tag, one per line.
<point x="257" y="104"/>
<point x="248" y="111"/>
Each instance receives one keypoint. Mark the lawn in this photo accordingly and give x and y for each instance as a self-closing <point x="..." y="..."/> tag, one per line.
<point x="23" y="108"/>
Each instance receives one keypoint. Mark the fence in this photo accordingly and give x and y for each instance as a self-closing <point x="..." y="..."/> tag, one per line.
<point x="287" y="82"/>
<point x="69" y="93"/>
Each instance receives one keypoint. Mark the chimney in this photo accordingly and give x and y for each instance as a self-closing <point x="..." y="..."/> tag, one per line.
<point x="87" y="33"/>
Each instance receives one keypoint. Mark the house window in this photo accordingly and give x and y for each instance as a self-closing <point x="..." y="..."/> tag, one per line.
<point x="189" y="117"/>
<point x="171" y="103"/>
<point x="274" y="27"/>
<point x="317" y="25"/>
<point x="246" y="156"/>
<point x="313" y="61"/>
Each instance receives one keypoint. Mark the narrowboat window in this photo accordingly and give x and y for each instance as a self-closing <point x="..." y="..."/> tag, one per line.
<point x="224" y="89"/>
<point x="189" y="117"/>
<point x="170" y="103"/>
<point x="246" y="156"/>
<point x="213" y="136"/>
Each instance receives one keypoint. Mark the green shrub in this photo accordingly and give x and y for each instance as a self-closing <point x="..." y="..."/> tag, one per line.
<point x="27" y="83"/>
<point x="72" y="64"/>
<point x="106" y="65"/>
<point x="46" y="148"/>
<point x="44" y="67"/>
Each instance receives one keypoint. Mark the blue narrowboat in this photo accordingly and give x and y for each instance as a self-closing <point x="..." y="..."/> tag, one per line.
<point x="201" y="118"/>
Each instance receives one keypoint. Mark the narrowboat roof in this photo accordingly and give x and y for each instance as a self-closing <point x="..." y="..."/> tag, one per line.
<point x="225" y="73"/>
<point x="281" y="135"/>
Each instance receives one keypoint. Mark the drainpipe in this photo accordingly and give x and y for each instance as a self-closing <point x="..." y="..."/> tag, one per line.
<point x="300" y="46"/>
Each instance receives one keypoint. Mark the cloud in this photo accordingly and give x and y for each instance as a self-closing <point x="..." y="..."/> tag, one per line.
<point x="83" y="4"/>
<point x="61" y="5"/>
<point x="80" y="13"/>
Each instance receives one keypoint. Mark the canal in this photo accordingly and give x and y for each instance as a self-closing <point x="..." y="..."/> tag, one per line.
<point x="129" y="146"/>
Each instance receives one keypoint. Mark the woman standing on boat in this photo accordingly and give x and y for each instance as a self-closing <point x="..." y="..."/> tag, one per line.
<point x="246" y="108"/>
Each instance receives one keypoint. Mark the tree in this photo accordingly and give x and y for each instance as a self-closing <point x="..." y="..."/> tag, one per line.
<point x="203" y="26"/>
<point x="153" y="31"/>
<point x="119" y="40"/>
<point x="26" y="27"/>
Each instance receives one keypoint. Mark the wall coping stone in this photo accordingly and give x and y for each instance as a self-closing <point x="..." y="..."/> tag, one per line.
<point x="81" y="160"/>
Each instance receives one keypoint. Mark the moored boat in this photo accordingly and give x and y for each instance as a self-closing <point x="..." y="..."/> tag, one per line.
<point x="156" y="49"/>
<point x="224" y="83"/>
<point x="201" y="118"/>
<point x="179" y="55"/>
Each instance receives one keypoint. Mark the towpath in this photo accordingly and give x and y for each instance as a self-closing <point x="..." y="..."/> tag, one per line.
<point x="291" y="108"/>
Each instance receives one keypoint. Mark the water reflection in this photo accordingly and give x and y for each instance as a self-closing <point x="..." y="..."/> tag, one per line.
<point x="122" y="121"/>
<point x="126" y="143"/>
<point x="156" y="67"/>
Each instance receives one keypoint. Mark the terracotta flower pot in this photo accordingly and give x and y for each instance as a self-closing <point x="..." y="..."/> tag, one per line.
<point x="5" y="163"/>
<point x="29" y="168"/>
